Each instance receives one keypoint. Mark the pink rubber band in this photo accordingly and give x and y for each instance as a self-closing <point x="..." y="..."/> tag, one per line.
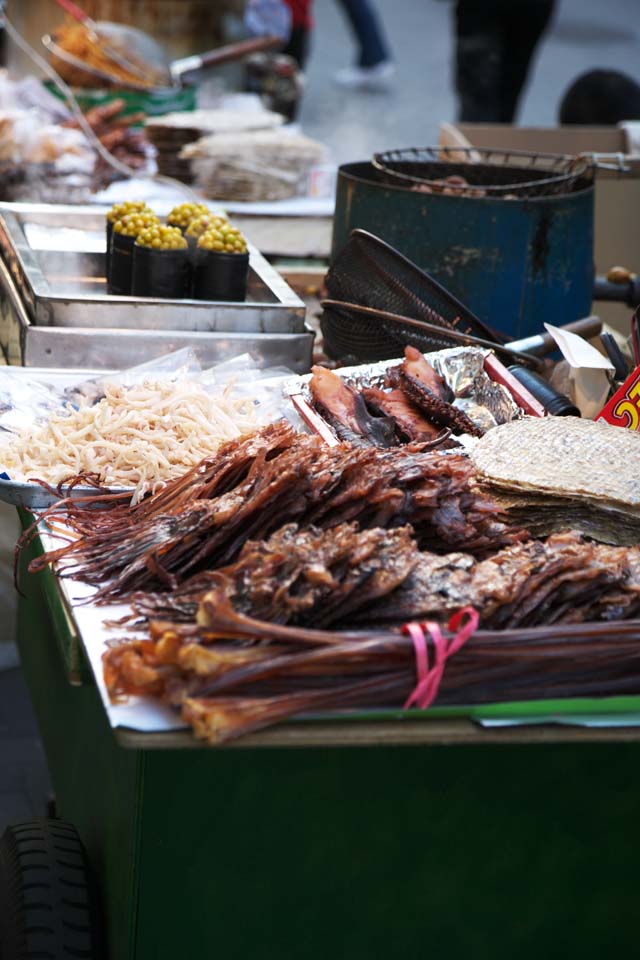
<point x="429" y="678"/>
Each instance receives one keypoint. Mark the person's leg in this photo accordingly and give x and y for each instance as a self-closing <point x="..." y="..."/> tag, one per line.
<point x="524" y="24"/>
<point x="478" y="60"/>
<point x="298" y="46"/>
<point x="369" y="32"/>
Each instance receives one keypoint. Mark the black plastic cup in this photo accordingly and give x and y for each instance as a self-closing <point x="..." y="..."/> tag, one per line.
<point x="120" y="265"/>
<point x="164" y="274"/>
<point x="107" y="257"/>
<point x="220" y="276"/>
<point x="555" y="403"/>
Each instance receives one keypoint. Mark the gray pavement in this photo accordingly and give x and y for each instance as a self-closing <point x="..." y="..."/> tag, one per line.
<point x="585" y="34"/>
<point x="24" y="781"/>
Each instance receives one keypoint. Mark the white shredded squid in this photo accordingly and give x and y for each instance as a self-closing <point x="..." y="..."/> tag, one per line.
<point x="138" y="437"/>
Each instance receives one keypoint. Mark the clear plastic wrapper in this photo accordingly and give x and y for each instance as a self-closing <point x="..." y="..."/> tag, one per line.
<point x="25" y="402"/>
<point x="180" y="363"/>
<point x="167" y="428"/>
<point x="264" y="385"/>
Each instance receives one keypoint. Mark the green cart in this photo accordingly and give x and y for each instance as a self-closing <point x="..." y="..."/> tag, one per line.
<point x="368" y="840"/>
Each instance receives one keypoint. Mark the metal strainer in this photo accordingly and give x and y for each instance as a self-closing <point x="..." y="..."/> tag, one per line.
<point x="509" y="174"/>
<point x="370" y="273"/>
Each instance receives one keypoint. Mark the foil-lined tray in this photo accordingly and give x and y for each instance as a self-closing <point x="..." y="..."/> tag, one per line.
<point x="483" y="387"/>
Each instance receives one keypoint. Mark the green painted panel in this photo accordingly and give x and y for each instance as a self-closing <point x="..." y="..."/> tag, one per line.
<point x="95" y="782"/>
<point x="462" y="852"/>
<point x="378" y="853"/>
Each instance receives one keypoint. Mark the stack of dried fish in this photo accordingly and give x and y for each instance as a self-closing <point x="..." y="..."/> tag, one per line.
<point x="172" y="131"/>
<point x="308" y="576"/>
<point x="346" y="578"/>
<point x="561" y="472"/>
<point x="257" y="485"/>
<point x="562" y="580"/>
<point x="416" y="405"/>
<point x="231" y="674"/>
<point x="253" y="165"/>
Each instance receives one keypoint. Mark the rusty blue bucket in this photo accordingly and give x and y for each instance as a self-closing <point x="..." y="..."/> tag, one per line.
<point x="516" y="262"/>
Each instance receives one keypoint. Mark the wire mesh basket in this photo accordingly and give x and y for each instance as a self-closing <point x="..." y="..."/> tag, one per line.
<point x="473" y="172"/>
<point x="354" y="337"/>
<point x="369" y="272"/>
<point x="356" y="334"/>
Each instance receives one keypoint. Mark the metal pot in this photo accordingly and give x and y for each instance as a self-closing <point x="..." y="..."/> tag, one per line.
<point x="515" y="262"/>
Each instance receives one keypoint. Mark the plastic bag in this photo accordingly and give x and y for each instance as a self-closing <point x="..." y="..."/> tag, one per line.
<point x="24" y="402"/>
<point x="171" y="366"/>
<point x="268" y="18"/>
<point x="263" y="385"/>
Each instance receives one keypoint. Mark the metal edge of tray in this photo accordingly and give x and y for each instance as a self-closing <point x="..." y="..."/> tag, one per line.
<point x="397" y="732"/>
<point x="113" y="348"/>
<point x="285" y="315"/>
<point x="13" y="252"/>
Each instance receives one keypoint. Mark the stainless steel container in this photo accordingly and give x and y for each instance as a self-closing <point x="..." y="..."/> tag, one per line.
<point x="54" y="309"/>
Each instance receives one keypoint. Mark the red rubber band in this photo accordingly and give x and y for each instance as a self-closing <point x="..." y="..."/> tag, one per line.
<point x="429" y="678"/>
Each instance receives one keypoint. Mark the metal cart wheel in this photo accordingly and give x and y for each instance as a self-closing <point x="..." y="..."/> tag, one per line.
<point x="45" y="902"/>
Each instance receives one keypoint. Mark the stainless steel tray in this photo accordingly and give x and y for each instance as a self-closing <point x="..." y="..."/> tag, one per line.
<point x="50" y="317"/>
<point x="56" y="256"/>
<point x="31" y="496"/>
<point x="25" y="493"/>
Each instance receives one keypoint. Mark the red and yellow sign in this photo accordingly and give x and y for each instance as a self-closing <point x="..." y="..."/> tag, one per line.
<point x="623" y="410"/>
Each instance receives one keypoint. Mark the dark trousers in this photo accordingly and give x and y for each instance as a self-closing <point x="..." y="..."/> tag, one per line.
<point x="368" y="31"/>
<point x="495" y="40"/>
<point x="298" y="46"/>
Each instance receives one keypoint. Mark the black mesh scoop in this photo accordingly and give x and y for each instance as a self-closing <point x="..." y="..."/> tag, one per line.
<point x="370" y="273"/>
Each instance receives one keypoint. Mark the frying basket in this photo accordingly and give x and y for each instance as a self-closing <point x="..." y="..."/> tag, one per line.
<point x="369" y="272"/>
<point x="362" y="332"/>
<point x="496" y="173"/>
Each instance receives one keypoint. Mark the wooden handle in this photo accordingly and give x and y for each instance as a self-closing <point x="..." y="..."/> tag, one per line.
<point x="74" y="11"/>
<point x="232" y="51"/>
<point x="542" y="343"/>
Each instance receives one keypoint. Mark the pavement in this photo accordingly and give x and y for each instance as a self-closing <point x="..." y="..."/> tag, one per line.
<point x="24" y="781"/>
<point x="585" y="34"/>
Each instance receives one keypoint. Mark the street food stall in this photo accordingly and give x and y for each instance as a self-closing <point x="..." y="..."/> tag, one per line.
<point x="330" y="623"/>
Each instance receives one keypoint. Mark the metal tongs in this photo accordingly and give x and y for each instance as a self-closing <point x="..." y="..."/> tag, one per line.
<point x="146" y="59"/>
<point x="100" y="40"/>
<point x="606" y="161"/>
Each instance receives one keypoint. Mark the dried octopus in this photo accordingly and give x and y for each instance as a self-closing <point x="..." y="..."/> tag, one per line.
<point x="416" y="406"/>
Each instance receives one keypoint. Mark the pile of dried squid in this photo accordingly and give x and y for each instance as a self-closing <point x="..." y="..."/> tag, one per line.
<point x="274" y="578"/>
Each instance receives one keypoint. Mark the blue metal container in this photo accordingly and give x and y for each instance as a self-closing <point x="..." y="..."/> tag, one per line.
<point x="516" y="263"/>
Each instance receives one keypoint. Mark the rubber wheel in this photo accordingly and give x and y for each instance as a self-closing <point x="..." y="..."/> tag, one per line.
<point x="45" y="903"/>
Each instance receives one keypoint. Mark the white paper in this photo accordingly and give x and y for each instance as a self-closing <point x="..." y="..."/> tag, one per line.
<point x="593" y="721"/>
<point x="577" y="351"/>
<point x="138" y="713"/>
<point x="589" y="371"/>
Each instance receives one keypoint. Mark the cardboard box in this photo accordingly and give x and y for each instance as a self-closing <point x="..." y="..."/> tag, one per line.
<point x="617" y="199"/>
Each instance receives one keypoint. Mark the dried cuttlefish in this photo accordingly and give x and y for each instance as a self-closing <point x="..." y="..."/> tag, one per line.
<point x="344" y="409"/>
<point x="409" y="420"/>
<point x="417" y="405"/>
<point x="274" y="477"/>
<point x="231" y="673"/>
<point x="428" y="390"/>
